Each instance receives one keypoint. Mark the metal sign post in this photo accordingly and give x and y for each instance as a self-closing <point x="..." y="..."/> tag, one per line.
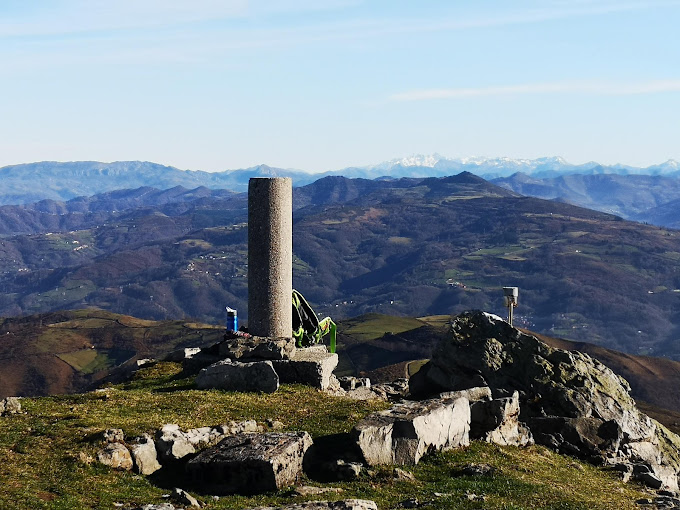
<point x="510" y="298"/>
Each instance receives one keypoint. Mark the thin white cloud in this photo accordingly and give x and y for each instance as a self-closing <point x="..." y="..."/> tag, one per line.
<point x="593" y="88"/>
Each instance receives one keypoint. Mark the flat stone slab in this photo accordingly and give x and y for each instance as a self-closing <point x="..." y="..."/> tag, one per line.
<point x="250" y="463"/>
<point x="409" y="430"/>
<point x="312" y="366"/>
<point x="235" y="376"/>
<point x="347" y="504"/>
<point x="246" y="348"/>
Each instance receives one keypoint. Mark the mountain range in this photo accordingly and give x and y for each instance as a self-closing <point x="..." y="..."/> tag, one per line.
<point x="411" y="247"/>
<point x="64" y="181"/>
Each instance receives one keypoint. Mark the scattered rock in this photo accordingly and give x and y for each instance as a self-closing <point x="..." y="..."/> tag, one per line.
<point x="409" y="503"/>
<point x="180" y="355"/>
<point x="312" y="366"/>
<point x="240" y="427"/>
<point x="349" y="383"/>
<point x="113" y="436"/>
<point x="238" y="347"/>
<point x="477" y="470"/>
<point x="275" y="424"/>
<point x="146" y="362"/>
<point x="116" y="456"/>
<point x="401" y="475"/>
<point x="250" y="463"/>
<point x="172" y="444"/>
<point x="184" y="498"/>
<point x="144" y="455"/>
<point x="404" y="433"/>
<point x="343" y="471"/>
<point x="10" y="405"/>
<point x="85" y="458"/>
<point x="162" y="506"/>
<point x="235" y="376"/>
<point x="347" y="504"/>
<point x="307" y="490"/>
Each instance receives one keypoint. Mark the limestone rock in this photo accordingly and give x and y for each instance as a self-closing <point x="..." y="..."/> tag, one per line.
<point x="404" y="433"/>
<point x="235" y="376"/>
<point x="180" y="355"/>
<point x="349" y="383"/>
<point x="115" y="455"/>
<point x="571" y="402"/>
<point x="172" y="444"/>
<point x="184" y="498"/>
<point x="347" y="504"/>
<point x="144" y="455"/>
<point x="312" y="366"/>
<point x="241" y="348"/>
<point x="10" y="405"/>
<point x="308" y="490"/>
<point x="113" y="436"/>
<point x="162" y="506"/>
<point x="250" y="463"/>
<point x="497" y="421"/>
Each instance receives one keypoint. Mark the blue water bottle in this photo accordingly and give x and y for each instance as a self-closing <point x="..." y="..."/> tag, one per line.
<point x="232" y="320"/>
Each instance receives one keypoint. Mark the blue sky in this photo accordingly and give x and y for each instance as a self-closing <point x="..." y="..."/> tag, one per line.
<point x="320" y="85"/>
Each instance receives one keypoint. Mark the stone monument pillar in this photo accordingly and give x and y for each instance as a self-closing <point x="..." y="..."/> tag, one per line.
<point x="270" y="257"/>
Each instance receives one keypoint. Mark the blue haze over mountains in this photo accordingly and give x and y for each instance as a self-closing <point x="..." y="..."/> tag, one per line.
<point x="650" y="194"/>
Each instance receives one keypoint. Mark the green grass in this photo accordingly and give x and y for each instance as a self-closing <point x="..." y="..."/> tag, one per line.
<point x="372" y="326"/>
<point x="46" y="453"/>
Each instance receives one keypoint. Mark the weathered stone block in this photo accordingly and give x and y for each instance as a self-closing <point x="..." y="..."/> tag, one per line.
<point x="10" y="405"/>
<point x="347" y="504"/>
<point x="312" y="366"/>
<point x="250" y="463"/>
<point x="144" y="455"/>
<point x="238" y="347"/>
<point x="235" y="376"/>
<point x="497" y="421"/>
<point x="172" y="444"/>
<point x="115" y="455"/>
<point x="404" y="433"/>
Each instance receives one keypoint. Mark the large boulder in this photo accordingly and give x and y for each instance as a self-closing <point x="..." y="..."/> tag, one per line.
<point x="235" y="376"/>
<point x="250" y="463"/>
<point x="409" y="430"/>
<point x="570" y="401"/>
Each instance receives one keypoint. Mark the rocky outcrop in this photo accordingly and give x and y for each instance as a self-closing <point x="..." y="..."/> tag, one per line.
<point x="250" y="463"/>
<point x="570" y="401"/>
<point x="409" y="430"/>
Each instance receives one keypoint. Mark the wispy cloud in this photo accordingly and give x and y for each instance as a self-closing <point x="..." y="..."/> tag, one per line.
<point x="593" y="88"/>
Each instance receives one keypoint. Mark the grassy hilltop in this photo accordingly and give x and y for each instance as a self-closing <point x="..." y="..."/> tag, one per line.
<point x="47" y="453"/>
